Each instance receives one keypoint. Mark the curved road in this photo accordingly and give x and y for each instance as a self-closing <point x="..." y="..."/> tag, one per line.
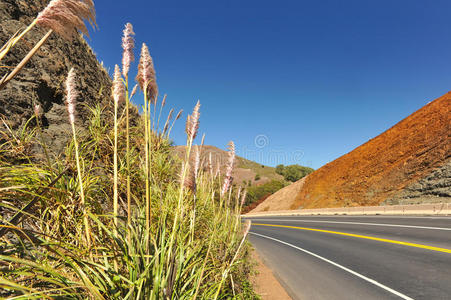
<point x="357" y="257"/>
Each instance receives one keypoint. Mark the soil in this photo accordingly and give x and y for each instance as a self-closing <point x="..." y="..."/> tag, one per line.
<point x="265" y="283"/>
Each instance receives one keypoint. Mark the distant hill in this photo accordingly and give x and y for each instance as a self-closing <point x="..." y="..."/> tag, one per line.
<point x="245" y="170"/>
<point x="409" y="163"/>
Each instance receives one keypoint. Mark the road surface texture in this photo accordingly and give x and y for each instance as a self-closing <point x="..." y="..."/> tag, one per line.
<point x="358" y="257"/>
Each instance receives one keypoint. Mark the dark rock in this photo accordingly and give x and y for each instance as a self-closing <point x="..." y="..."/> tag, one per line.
<point x="42" y="80"/>
<point x="436" y="187"/>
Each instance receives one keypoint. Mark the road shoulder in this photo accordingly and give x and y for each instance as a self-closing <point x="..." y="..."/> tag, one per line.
<point x="265" y="283"/>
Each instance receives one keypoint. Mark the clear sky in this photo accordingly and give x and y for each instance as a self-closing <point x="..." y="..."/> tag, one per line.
<point x="311" y="80"/>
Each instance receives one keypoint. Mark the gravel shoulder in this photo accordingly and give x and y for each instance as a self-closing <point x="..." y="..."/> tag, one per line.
<point x="265" y="283"/>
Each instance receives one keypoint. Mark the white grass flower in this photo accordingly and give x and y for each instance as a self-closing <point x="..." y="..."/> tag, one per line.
<point x="128" y="43"/>
<point x="118" y="86"/>
<point x="146" y="74"/>
<point x="192" y="123"/>
<point x="71" y="95"/>
<point x="230" y="164"/>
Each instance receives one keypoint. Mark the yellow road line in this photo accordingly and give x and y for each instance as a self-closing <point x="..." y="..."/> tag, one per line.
<point x="360" y="236"/>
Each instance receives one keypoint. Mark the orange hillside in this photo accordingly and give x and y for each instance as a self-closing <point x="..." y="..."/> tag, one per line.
<point x="384" y="165"/>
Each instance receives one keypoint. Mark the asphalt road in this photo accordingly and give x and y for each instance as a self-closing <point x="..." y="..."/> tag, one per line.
<point x="357" y="257"/>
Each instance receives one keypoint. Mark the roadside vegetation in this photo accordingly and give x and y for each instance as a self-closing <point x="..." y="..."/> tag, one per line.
<point x="293" y="172"/>
<point x="258" y="193"/>
<point x="116" y="216"/>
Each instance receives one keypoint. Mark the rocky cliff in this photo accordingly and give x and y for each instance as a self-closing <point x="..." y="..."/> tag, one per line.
<point x="435" y="187"/>
<point x="42" y="80"/>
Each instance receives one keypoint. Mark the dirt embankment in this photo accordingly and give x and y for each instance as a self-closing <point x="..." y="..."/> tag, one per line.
<point x="282" y="199"/>
<point x="381" y="168"/>
<point x="408" y="164"/>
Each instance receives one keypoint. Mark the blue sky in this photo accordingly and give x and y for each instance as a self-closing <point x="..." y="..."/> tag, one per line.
<point x="309" y="80"/>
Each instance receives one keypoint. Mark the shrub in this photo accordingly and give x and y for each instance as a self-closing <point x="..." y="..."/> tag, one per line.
<point x="256" y="193"/>
<point x="279" y="169"/>
<point x="293" y="172"/>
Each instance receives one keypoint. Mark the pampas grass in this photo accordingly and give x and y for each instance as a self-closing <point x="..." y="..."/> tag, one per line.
<point x="179" y="241"/>
<point x="128" y="43"/>
<point x="146" y="80"/>
<point x="65" y="17"/>
<point x="146" y="77"/>
<point x="71" y="101"/>
<point x="118" y="96"/>
<point x="230" y="164"/>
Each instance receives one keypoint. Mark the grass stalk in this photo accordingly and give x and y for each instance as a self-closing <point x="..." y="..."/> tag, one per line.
<point x="146" y="159"/>
<point x="115" y="175"/>
<point x="127" y="156"/>
<point x="82" y="194"/>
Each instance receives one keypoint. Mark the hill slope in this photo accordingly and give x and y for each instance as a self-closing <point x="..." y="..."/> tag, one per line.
<point x="409" y="163"/>
<point x="244" y="171"/>
<point x="282" y="199"/>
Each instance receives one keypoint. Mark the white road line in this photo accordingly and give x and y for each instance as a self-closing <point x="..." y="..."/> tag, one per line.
<point x="354" y="223"/>
<point x="339" y="266"/>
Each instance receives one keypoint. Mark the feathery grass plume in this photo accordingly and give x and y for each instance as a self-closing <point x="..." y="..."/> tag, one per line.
<point x="71" y="95"/>
<point x="37" y="110"/>
<point x="202" y="141"/>
<point x="187" y="177"/>
<point x="179" y="115"/>
<point x="243" y="198"/>
<point x="163" y="103"/>
<point x="190" y="170"/>
<point x="65" y="17"/>
<point x="118" y="86"/>
<point x="228" y="176"/>
<point x="128" y="43"/>
<point x="192" y="123"/>
<point x="196" y="162"/>
<point x="210" y="164"/>
<point x="135" y="89"/>
<point x="168" y="119"/>
<point x="146" y="74"/>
